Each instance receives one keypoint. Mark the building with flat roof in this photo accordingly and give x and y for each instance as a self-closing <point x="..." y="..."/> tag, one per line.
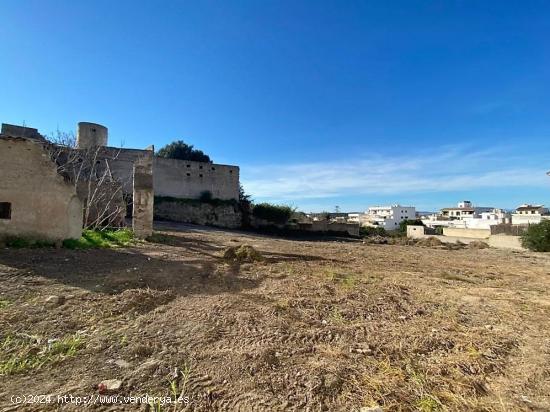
<point x="387" y="217"/>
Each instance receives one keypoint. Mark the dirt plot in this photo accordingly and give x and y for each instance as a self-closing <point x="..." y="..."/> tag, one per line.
<point x="312" y="325"/>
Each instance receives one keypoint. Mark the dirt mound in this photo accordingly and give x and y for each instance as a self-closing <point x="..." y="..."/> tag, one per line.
<point x="242" y="254"/>
<point x="376" y="240"/>
<point x="458" y="245"/>
<point x="429" y="241"/>
<point x="141" y="300"/>
<point x="477" y="244"/>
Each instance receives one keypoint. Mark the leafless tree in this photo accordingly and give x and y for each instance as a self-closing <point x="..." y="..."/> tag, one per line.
<point x="89" y="169"/>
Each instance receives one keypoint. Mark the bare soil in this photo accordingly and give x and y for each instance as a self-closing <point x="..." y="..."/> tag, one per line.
<point x="313" y="325"/>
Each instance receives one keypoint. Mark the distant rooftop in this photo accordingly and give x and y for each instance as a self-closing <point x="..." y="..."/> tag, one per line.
<point x="526" y="207"/>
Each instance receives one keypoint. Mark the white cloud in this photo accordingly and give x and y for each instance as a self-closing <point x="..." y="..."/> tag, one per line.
<point x="448" y="169"/>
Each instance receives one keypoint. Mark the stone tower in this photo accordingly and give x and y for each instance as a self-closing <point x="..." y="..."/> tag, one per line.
<point x="91" y="135"/>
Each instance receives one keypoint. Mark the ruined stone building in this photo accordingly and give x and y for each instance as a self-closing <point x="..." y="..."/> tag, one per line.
<point x="175" y="178"/>
<point x="35" y="200"/>
<point x="176" y="182"/>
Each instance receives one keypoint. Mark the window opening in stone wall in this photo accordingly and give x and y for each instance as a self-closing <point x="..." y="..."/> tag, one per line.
<point x="5" y="210"/>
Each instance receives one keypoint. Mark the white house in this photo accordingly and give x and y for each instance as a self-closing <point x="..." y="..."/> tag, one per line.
<point x="387" y="217"/>
<point x="485" y="220"/>
<point x="529" y="214"/>
<point x="467" y="216"/>
<point x="464" y="210"/>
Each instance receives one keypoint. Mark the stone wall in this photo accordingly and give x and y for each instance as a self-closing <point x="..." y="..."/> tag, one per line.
<point x="509" y="229"/>
<point x="467" y="233"/>
<point x="43" y="204"/>
<point x="185" y="179"/>
<point x="220" y="214"/>
<point x="177" y="178"/>
<point x="21" y="131"/>
<point x="506" y="242"/>
<point x="501" y="241"/>
<point x="325" y="226"/>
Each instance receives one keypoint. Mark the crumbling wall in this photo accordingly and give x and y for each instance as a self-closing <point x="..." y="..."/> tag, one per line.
<point x="21" y="131"/>
<point x="144" y="197"/>
<point x="222" y="214"/>
<point x="352" y="229"/>
<point x="43" y="204"/>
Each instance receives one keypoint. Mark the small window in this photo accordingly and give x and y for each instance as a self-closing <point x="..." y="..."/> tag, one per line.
<point x="200" y="167"/>
<point x="93" y="129"/>
<point x="200" y="175"/>
<point x="5" y="210"/>
<point x="188" y="165"/>
<point x="231" y="171"/>
<point x="213" y="168"/>
<point x="188" y="174"/>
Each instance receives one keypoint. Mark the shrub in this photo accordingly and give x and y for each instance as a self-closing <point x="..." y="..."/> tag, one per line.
<point x="196" y="202"/>
<point x="537" y="237"/>
<point x="368" y="231"/>
<point x="242" y="254"/>
<point x="272" y="213"/>
<point x="245" y="206"/>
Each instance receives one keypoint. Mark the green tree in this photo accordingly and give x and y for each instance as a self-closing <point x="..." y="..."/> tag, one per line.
<point x="537" y="237"/>
<point x="404" y="223"/>
<point x="183" y="151"/>
<point x="272" y="213"/>
<point x="245" y="206"/>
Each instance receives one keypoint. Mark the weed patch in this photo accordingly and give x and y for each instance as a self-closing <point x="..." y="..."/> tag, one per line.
<point x="22" y="354"/>
<point x="346" y="280"/>
<point x="20" y="243"/>
<point x="101" y="239"/>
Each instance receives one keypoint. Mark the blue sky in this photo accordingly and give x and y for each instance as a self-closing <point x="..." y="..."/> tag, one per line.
<point x="321" y="103"/>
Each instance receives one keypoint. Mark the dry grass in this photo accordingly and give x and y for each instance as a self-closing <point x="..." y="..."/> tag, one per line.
<point x="309" y="325"/>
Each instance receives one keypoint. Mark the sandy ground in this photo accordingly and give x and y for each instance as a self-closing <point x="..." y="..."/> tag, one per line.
<point x="316" y="325"/>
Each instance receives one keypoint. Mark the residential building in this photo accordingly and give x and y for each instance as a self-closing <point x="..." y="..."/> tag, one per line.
<point x="464" y="210"/>
<point x="387" y="217"/>
<point x="467" y="216"/>
<point x="529" y="214"/>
